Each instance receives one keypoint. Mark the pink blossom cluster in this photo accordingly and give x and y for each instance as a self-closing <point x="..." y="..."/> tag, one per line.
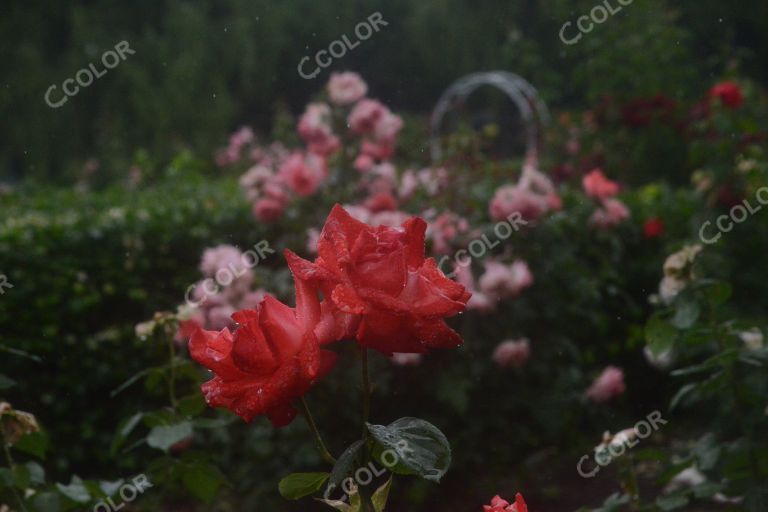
<point x="238" y="141"/>
<point x="512" y="353"/>
<point x="280" y="176"/>
<point x="444" y="229"/>
<point x="378" y="128"/>
<point x="316" y="131"/>
<point x="432" y="181"/>
<point x="498" y="282"/>
<point x="532" y="196"/>
<point x="610" y="211"/>
<point x="608" y="385"/>
<point x="226" y="287"/>
<point x="271" y="188"/>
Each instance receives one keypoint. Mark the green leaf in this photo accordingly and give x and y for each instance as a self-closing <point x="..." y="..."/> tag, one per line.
<point x="192" y="405"/>
<point x="338" y="505"/>
<point x="682" y="393"/>
<point x="756" y="500"/>
<point x="36" y="473"/>
<point x="381" y="495"/>
<point x="6" y="382"/>
<point x="35" y="443"/>
<point x="297" y="485"/>
<point x="46" y="502"/>
<point x="417" y="446"/>
<point x="671" y="502"/>
<point x="346" y="464"/>
<point x="20" y="353"/>
<point x="163" y="437"/>
<point x="202" y="480"/>
<point x="21" y="477"/>
<point x="128" y="383"/>
<point x="687" y="311"/>
<point x="75" y="491"/>
<point x="659" y="335"/>
<point x="126" y="427"/>
<point x="111" y="488"/>
<point x="716" y="292"/>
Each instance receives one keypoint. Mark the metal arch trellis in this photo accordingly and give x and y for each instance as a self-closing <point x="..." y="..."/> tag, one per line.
<point x="532" y="108"/>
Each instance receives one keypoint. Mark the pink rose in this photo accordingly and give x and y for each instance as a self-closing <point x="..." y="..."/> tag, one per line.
<point x="363" y="162"/>
<point x="303" y="175"/>
<point x="346" y="88"/>
<point x="408" y="184"/>
<point x="511" y="199"/>
<point x="364" y="116"/>
<point x="268" y="209"/>
<point x="598" y="186"/>
<point x="612" y="213"/>
<point x="609" y="384"/>
<point x="314" y="127"/>
<point x="512" y="353"/>
<point x="406" y="359"/>
<point x="503" y="281"/>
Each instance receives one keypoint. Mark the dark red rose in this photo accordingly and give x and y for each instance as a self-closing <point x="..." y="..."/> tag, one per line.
<point x="272" y="359"/>
<point x="727" y="92"/>
<point x="653" y="227"/>
<point x="385" y="292"/>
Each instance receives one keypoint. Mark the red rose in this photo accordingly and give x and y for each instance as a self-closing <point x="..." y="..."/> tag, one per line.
<point x="653" y="227"/>
<point x="498" y="504"/>
<point x="387" y="294"/>
<point x="729" y="93"/>
<point x="272" y="359"/>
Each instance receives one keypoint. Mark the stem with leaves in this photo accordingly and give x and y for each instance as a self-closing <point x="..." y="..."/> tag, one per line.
<point x="365" y="495"/>
<point x="172" y="367"/>
<point x="318" y="438"/>
<point x="11" y="465"/>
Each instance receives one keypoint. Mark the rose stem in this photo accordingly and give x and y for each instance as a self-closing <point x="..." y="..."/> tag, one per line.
<point x="366" y="391"/>
<point x="318" y="438"/>
<point x="364" y="495"/>
<point x="11" y="465"/>
<point x="172" y="376"/>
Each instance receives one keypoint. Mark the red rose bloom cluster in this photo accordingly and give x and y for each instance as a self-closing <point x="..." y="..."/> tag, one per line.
<point x="727" y="92"/>
<point x="378" y="288"/>
<point x="498" y="504"/>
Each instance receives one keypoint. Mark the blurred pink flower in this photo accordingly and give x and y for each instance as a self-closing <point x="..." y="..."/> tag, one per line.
<point x="268" y="209"/>
<point x="478" y="301"/>
<point x="363" y="162"/>
<point x="381" y="202"/>
<point x="387" y="126"/>
<point x="346" y="88"/>
<point x="364" y="116"/>
<point x="251" y="300"/>
<point x="612" y="213"/>
<point x="314" y="127"/>
<point x="219" y="317"/>
<point x="391" y="218"/>
<point x="406" y="359"/>
<point x="444" y="229"/>
<point x="380" y="150"/>
<point x="512" y="353"/>
<point x="225" y="257"/>
<point x="303" y="174"/>
<point x="313" y="236"/>
<point x="433" y="180"/>
<point x="532" y="196"/>
<point x="237" y="141"/>
<point x="515" y="198"/>
<point x="598" y="186"/>
<point x="609" y="384"/>
<point x="503" y="281"/>
<point x="408" y="184"/>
